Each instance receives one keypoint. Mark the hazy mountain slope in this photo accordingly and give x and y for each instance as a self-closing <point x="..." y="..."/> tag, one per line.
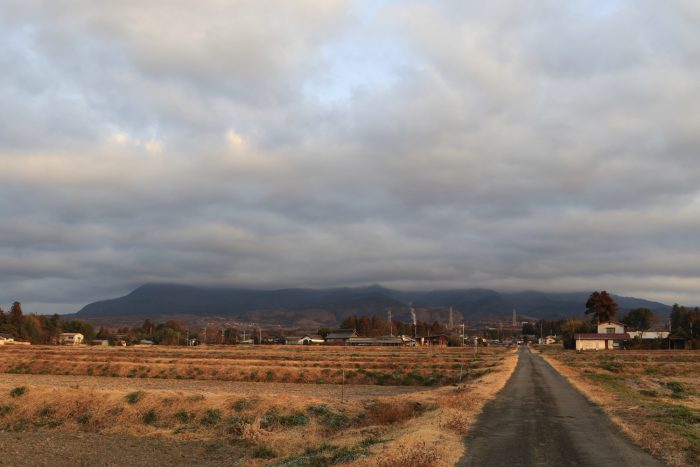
<point x="289" y="306"/>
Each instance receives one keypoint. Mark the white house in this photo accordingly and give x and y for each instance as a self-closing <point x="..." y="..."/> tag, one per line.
<point x="648" y="334"/>
<point x="70" y="338"/>
<point x="6" y="339"/>
<point x="306" y="339"/>
<point x="610" y="336"/>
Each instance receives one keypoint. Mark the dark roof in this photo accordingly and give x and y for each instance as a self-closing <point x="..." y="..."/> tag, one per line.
<point x="597" y="337"/>
<point x="375" y="340"/>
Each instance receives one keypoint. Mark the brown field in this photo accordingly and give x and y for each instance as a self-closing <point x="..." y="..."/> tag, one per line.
<point x="653" y="395"/>
<point x="276" y="404"/>
<point x="432" y="366"/>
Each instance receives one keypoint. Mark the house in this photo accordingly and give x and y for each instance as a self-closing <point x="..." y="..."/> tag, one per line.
<point x="610" y="336"/>
<point x="340" y="336"/>
<point x="306" y="339"/>
<point x="6" y="339"/>
<point x="407" y="340"/>
<point x="547" y="340"/>
<point x="394" y="341"/>
<point x="70" y="338"/>
<point x="648" y="334"/>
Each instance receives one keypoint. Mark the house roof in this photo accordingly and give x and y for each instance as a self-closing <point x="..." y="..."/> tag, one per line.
<point x="612" y="322"/>
<point x="70" y="334"/>
<point x="601" y="337"/>
<point x="313" y="337"/>
<point x="375" y="340"/>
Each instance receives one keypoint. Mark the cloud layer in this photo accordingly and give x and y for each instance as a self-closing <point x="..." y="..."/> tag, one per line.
<point x="321" y="143"/>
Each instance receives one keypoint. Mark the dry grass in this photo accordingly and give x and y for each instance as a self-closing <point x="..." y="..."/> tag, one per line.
<point x="652" y="395"/>
<point x="287" y="364"/>
<point x="280" y="427"/>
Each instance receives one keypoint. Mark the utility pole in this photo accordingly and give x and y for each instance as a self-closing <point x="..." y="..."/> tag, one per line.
<point x="259" y="336"/>
<point x="342" y="387"/>
<point x="541" y="336"/>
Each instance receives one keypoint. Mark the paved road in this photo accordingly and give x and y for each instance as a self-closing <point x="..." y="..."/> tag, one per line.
<point x="539" y="419"/>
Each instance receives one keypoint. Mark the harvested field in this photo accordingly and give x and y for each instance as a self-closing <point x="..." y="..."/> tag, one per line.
<point x="653" y="395"/>
<point x="286" y="364"/>
<point x="265" y="422"/>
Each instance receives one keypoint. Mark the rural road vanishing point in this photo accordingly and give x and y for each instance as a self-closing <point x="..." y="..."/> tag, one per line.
<point x="539" y="419"/>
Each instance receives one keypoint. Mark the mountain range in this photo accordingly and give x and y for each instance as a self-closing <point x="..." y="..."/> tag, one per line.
<point x="328" y="307"/>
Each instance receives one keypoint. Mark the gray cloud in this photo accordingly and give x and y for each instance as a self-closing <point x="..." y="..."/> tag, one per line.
<point x="316" y="143"/>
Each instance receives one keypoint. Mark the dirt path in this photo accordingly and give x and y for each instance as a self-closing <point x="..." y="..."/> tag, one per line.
<point x="58" y="449"/>
<point x="206" y="386"/>
<point x="539" y="419"/>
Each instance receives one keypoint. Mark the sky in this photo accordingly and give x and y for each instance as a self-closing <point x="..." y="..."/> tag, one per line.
<point x="424" y="145"/>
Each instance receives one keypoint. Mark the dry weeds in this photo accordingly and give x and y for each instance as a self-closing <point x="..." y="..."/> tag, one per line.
<point x="279" y="427"/>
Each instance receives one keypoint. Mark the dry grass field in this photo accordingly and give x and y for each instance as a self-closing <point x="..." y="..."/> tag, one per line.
<point x="279" y="405"/>
<point x="653" y="395"/>
<point x="432" y="366"/>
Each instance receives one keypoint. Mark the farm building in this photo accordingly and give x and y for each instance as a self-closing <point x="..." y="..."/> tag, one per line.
<point x="648" y="334"/>
<point x="6" y="339"/>
<point x="306" y="339"/>
<point x="376" y="341"/>
<point x="70" y="338"/>
<point x="340" y="336"/>
<point x="610" y="336"/>
<point x="438" y="339"/>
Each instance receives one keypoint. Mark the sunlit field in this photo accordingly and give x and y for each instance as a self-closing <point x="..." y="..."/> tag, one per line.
<point x="279" y="404"/>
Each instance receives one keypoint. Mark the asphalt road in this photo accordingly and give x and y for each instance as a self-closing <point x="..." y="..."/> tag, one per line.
<point x="539" y="419"/>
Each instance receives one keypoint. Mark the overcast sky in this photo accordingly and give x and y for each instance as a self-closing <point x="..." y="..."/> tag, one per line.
<point x="550" y="145"/>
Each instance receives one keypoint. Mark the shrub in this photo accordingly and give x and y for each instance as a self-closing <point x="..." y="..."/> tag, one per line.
<point x="134" y="397"/>
<point x="272" y="418"/>
<point x="676" y="388"/>
<point x="320" y="409"/>
<point x="45" y="411"/>
<point x="83" y="419"/>
<point x="383" y="413"/>
<point x="238" y="425"/>
<point x="211" y="417"/>
<point x="244" y="404"/>
<point x="263" y="452"/>
<point x="5" y="409"/>
<point x="18" y="391"/>
<point x="150" y="417"/>
<point x="184" y="416"/>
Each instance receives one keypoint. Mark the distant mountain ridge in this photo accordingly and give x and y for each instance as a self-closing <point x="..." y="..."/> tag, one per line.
<point x="331" y="306"/>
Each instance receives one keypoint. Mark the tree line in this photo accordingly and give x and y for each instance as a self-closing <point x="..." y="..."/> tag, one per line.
<point x="376" y="326"/>
<point x="40" y="329"/>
